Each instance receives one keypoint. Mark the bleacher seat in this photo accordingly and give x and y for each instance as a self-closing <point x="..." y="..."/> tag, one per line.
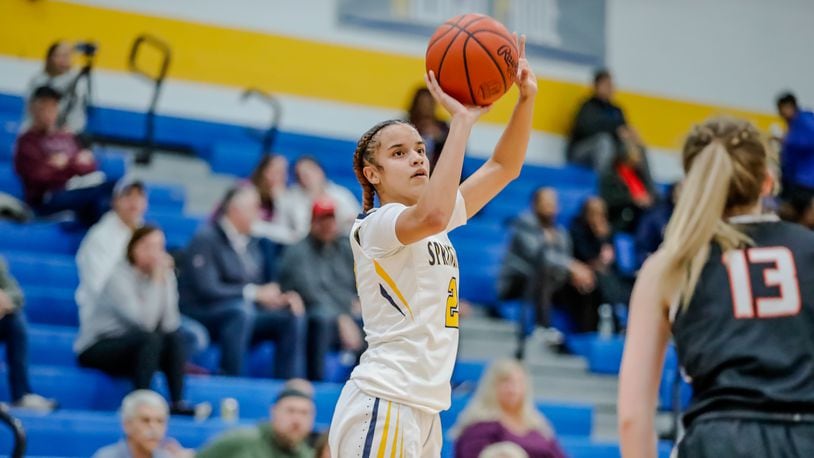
<point x="9" y="183"/>
<point x="671" y="375"/>
<point x="56" y="271"/>
<point x="626" y="258"/>
<point x="235" y="158"/>
<point x="51" y="306"/>
<point x="605" y="354"/>
<point x="52" y="238"/>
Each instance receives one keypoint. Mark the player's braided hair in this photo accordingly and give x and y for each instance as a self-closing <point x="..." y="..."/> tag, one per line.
<point x="744" y="145"/>
<point x="726" y="162"/>
<point x="366" y="155"/>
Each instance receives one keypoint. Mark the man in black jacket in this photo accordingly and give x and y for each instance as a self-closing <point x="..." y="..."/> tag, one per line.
<point x="600" y="131"/>
<point x="226" y="284"/>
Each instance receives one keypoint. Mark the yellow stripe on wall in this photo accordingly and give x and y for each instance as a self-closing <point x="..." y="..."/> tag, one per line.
<point x="241" y="58"/>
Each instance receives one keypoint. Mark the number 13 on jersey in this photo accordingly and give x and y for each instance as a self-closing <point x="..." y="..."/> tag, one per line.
<point x="451" y="315"/>
<point x="779" y="272"/>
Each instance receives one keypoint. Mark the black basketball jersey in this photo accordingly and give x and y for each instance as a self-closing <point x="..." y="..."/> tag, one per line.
<point x="746" y="339"/>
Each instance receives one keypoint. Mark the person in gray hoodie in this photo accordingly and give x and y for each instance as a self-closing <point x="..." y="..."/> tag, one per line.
<point x="133" y="329"/>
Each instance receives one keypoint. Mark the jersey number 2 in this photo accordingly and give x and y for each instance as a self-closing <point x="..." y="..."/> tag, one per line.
<point x="782" y="274"/>
<point x="451" y="316"/>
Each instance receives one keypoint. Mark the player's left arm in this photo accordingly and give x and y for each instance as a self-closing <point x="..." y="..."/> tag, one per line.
<point x="647" y="335"/>
<point x="510" y="152"/>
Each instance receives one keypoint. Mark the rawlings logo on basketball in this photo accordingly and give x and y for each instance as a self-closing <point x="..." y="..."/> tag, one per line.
<point x="506" y="53"/>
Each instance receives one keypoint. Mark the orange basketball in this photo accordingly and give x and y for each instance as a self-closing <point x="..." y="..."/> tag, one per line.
<point x="474" y="58"/>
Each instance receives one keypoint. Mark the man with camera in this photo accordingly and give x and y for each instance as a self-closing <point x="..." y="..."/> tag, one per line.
<point x="59" y="74"/>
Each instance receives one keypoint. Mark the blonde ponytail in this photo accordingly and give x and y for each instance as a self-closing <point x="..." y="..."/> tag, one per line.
<point x="725" y="164"/>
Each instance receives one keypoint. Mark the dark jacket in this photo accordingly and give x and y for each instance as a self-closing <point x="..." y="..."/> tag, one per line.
<point x="259" y="442"/>
<point x="623" y="213"/>
<point x="31" y="160"/>
<point x="596" y="116"/>
<point x="322" y="274"/>
<point x="587" y="246"/>
<point x="212" y="271"/>
<point x="528" y="252"/>
<point x="10" y="286"/>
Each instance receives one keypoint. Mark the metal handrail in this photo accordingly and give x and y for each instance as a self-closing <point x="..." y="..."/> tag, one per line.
<point x="276" y="114"/>
<point x="17" y="430"/>
<point x="158" y="81"/>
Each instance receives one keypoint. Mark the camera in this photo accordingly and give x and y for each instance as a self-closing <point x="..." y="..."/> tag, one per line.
<point x="88" y="48"/>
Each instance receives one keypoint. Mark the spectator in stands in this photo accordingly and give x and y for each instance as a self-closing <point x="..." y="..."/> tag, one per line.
<point x="432" y="129"/>
<point x="650" y="232"/>
<point x="14" y="334"/>
<point x="104" y="247"/>
<point x="270" y="178"/>
<point x="58" y="73"/>
<point x="320" y="269"/>
<point x="539" y="263"/>
<point x="503" y="410"/>
<point x="628" y="191"/>
<point x="593" y="245"/>
<point x="58" y="173"/>
<point x="132" y="328"/>
<point x="797" y="155"/>
<point x="312" y="185"/>
<point x="226" y="284"/>
<point x="292" y="419"/>
<point x="600" y="132"/>
<point x="144" y="420"/>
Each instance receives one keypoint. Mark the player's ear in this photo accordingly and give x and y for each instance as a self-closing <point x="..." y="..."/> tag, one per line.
<point x="769" y="186"/>
<point x="372" y="174"/>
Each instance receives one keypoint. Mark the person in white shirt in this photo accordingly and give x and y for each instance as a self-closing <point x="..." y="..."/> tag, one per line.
<point x="270" y="179"/>
<point x="311" y="185"/>
<point x="133" y="327"/>
<point x="59" y="74"/>
<point x="104" y="247"/>
<point x="407" y="273"/>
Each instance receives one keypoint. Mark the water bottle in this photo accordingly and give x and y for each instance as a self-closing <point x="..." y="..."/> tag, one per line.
<point x="605" y="321"/>
<point x="229" y="410"/>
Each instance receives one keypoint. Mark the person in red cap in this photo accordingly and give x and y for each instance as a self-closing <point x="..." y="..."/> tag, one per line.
<point x="320" y="269"/>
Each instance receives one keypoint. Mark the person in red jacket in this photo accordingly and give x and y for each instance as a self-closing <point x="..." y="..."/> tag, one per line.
<point x="58" y="173"/>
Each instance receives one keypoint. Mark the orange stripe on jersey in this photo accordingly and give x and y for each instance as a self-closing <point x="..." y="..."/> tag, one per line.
<point x="383" y="441"/>
<point x="387" y="279"/>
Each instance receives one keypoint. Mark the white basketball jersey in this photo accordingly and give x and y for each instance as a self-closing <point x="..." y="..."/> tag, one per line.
<point x="409" y="296"/>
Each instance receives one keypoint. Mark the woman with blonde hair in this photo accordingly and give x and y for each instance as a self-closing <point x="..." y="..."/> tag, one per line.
<point x="503" y="410"/>
<point x="735" y="289"/>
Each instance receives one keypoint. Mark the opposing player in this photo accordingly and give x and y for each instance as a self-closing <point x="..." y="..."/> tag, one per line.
<point x="735" y="288"/>
<point x="407" y="273"/>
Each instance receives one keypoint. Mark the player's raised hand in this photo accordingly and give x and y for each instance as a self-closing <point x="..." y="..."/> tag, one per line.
<point x="525" y="79"/>
<point x="453" y="106"/>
